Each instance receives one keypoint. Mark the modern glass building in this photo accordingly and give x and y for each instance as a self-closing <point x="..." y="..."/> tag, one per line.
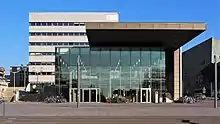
<point x="135" y="60"/>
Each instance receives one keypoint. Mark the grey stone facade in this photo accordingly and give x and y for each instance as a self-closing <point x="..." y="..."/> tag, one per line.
<point x="198" y="67"/>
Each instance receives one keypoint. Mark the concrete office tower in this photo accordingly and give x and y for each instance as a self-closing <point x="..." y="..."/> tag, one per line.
<point x="48" y="30"/>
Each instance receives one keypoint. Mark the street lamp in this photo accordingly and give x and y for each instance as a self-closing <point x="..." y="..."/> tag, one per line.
<point x="24" y="75"/>
<point x="78" y="81"/>
<point x="14" y="73"/>
<point x="216" y="82"/>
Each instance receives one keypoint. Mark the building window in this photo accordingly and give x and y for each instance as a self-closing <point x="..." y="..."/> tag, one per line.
<point x="60" y="24"/>
<point x="44" y="34"/>
<point x="49" y="24"/>
<point x="41" y="63"/>
<point x="54" y="44"/>
<point x="54" y="34"/>
<point x="32" y="23"/>
<point x="56" y="24"/>
<point x="76" y="24"/>
<point x="32" y="44"/>
<point x="38" y="44"/>
<point x="65" y="34"/>
<point x="82" y="24"/>
<point x="77" y="34"/>
<point x="32" y="34"/>
<point x="66" y="44"/>
<point x="38" y="24"/>
<point x="66" y="24"/>
<point x="60" y="34"/>
<point x="40" y="73"/>
<point x="58" y="43"/>
<point x="44" y="24"/>
<point x="57" y="34"/>
<point x="41" y="53"/>
<point x="71" y="24"/>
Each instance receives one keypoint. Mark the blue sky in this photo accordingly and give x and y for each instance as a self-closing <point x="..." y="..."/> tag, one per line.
<point x="14" y="18"/>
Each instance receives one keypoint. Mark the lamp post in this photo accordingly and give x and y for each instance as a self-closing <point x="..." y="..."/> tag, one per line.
<point x="78" y="82"/>
<point x="59" y="67"/>
<point x="70" y="84"/>
<point x="216" y="82"/>
<point x="24" y="75"/>
<point x="14" y="81"/>
<point x="14" y="75"/>
<point x="79" y="79"/>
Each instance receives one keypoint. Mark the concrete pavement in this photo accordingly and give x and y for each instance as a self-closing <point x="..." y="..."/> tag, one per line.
<point x="69" y="109"/>
<point x="110" y="120"/>
<point x="106" y="113"/>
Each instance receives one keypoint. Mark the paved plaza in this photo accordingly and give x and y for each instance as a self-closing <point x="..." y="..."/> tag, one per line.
<point x="105" y="109"/>
<point x="95" y="111"/>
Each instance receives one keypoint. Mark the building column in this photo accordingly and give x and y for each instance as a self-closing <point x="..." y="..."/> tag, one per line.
<point x="177" y="74"/>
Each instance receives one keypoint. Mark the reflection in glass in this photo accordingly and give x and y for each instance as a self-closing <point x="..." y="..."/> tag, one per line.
<point x="85" y="56"/>
<point x="74" y="52"/>
<point x="111" y="69"/>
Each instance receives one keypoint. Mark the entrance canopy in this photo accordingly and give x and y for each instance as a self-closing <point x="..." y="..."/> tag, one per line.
<point x="168" y="35"/>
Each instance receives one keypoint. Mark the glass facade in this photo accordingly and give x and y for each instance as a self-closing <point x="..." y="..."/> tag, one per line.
<point x="110" y="69"/>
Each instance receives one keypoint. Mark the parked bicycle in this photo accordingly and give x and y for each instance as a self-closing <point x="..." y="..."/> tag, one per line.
<point x="200" y="98"/>
<point x="189" y="99"/>
<point x="55" y="99"/>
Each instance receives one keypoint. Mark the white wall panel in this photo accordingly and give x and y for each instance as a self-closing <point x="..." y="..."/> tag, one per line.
<point x="41" y="78"/>
<point x="41" y="68"/>
<point x="57" y="29"/>
<point x="41" y="48"/>
<point x="74" y="17"/>
<point x="57" y="38"/>
<point x="41" y="58"/>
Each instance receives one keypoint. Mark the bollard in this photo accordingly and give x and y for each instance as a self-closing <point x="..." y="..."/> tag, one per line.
<point x="156" y="97"/>
<point x="3" y="107"/>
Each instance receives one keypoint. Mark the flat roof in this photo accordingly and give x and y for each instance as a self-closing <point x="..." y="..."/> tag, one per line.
<point x="146" y="26"/>
<point x="171" y="35"/>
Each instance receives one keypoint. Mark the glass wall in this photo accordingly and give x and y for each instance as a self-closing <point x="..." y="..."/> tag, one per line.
<point x="111" y="69"/>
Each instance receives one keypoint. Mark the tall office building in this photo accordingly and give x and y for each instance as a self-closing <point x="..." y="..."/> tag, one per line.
<point x="48" y="30"/>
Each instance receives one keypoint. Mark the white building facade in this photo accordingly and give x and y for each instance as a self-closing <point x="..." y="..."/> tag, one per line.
<point x="48" y="30"/>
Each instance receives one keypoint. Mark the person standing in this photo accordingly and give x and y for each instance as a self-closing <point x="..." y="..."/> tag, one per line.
<point x="164" y="98"/>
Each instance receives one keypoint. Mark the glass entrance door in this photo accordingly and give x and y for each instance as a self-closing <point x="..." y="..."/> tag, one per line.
<point x="94" y="95"/>
<point x="145" y="95"/>
<point x="74" y="95"/>
<point x="86" y="94"/>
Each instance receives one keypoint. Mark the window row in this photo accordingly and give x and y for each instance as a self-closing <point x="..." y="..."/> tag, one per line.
<point x="58" y="43"/>
<point x="41" y="73"/>
<point x="41" y="63"/>
<point x="57" y="33"/>
<point x="56" y="24"/>
<point x="133" y="58"/>
<point x="42" y="53"/>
